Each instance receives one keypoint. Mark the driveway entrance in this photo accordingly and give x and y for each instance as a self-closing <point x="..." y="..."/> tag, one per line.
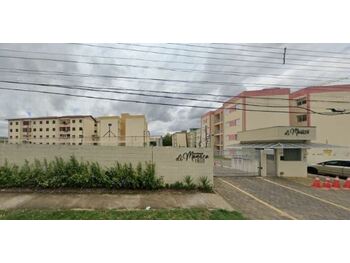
<point x="282" y="198"/>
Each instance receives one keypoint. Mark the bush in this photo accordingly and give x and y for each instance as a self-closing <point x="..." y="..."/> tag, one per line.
<point x="78" y="174"/>
<point x="205" y="185"/>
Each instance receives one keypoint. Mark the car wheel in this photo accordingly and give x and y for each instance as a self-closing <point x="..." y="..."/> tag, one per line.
<point x="312" y="170"/>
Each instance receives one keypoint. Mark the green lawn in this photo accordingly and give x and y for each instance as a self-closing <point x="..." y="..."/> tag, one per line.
<point x="165" y="214"/>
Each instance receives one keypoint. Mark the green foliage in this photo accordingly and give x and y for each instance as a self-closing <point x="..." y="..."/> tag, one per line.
<point x="78" y="174"/>
<point x="189" y="185"/>
<point x="205" y="184"/>
<point x="167" y="140"/>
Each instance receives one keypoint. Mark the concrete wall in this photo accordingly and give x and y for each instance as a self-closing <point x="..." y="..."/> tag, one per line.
<point x="165" y="158"/>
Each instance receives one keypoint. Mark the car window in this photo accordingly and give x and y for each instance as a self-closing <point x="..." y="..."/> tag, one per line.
<point x="336" y="163"/>
<point x="346" y="163"/>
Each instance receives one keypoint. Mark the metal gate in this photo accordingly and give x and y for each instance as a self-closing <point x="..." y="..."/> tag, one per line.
<point x="242" y="162"/>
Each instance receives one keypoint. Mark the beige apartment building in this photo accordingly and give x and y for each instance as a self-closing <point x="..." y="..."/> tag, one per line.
<point x="246" y="111"/>
<point x="179" y="139"/>
<point x="252" y="110"/>
<point x="193" y="138"/>
<point x="127" y="130"/>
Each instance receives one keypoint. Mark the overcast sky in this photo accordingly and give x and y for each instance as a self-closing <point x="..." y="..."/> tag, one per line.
<point x="161" y="119"/>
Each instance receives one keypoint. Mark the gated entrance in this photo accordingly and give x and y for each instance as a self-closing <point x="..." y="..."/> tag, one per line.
<point x="238" y="162"/>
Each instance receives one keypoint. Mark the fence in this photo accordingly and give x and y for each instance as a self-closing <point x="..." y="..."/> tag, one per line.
<point x="173" y="164"/>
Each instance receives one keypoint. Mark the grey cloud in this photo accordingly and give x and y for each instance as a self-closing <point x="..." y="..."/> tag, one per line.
<point x="161" y="118"/>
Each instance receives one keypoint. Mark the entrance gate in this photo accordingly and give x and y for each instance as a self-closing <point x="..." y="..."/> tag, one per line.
<point x="238" y="162"/>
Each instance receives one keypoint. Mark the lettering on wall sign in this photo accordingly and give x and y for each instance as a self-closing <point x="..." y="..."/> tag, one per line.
<point x="296" y="132"/>
<point x="192" y="156"/>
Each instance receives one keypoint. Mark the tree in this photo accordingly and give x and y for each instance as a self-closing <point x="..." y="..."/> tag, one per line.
<point x="167" y="141"/>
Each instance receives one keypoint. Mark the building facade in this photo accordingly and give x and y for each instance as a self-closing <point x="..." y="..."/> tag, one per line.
<point x="127" y="130"/>
<point x="193" y="137"/>
<point x="243" y="112"/>
<point x="257" y="109"/>
<point x="179" y="139"/>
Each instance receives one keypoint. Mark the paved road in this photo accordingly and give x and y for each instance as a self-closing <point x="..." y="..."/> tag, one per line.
<point x="282" y="198"/>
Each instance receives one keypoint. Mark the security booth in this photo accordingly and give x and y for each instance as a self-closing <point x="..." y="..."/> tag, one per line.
<point x="277" y="151"/>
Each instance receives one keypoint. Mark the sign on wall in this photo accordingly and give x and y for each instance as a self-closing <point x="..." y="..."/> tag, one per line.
<point x="296" y="132"/>
<point x="197" y="157"/>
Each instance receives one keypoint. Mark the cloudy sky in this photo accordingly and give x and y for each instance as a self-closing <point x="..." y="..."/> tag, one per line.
<point x="240" y="66"/>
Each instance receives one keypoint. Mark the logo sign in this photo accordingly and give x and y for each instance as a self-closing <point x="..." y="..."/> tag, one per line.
<point x="192" y="156"/>
<point x="296" y="132"/>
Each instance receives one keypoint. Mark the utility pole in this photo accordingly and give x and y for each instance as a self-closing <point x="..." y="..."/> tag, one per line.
<point x="284" y="55"/>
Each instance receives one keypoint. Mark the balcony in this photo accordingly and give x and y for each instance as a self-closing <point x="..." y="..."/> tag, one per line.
<point x="64" y="129"/>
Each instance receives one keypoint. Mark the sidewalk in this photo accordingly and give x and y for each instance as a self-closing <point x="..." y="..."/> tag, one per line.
<point x="112" y="201"/>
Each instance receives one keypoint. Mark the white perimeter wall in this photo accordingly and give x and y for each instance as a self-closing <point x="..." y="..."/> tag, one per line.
<point x="163" y="157"/>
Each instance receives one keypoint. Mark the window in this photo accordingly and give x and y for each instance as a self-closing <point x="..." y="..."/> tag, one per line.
<point x="47" y="122"/>
<point x="80" y="136"/>
<point x="80" y="121"/>
<point x="41" y="136"/>
<point x="335" y="163"/>
<point x="10" y="122"/>
<point x="53" y="129"/>
<point x="10" y="130"/>
<point x="47" y="143"/>
<point x="73" y="128"/>
<point x="34" y="129"/>
<point x="47" y="136"/>
<point x="53" y="136"/>
<point x="25" y="122"/>
<point x="26" y="130"/>
<point x="47" y="129"/>
<point x="301" y="101"/>
<point x="16" y="130"/>
<point x="80" y="143"/>
<point x="302" y="118"/>
<point x="34" y="136"/>
<point x="232" y="137"/>
<point x="73" y="136"/>
<point x="80" y="128"/>
<point x="73" y="143"/>
<point x="53" y="122"/>
<point x="41" y="129"/>
<point x="10" y="137"/>
<point x="16" y="122"/>
<point x="16" y="137"/>
<point x="41" y="122"/>
<point x="34" y="122"/>
<point x="95" y="131"/>
<point x="292" y="154"/>
<point x="73" y="121"/>
<point x="53" y="143"/>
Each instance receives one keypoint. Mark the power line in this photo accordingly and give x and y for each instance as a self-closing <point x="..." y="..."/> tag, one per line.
<point x="171" y="61"/>
<point x="90" y="88"/>
<point x="291" y="49"/>
<point x="214" y="58"/>
<point x="210" y="94"/>
<point x="133" y="101"/>
<point x="226" y="73"/>
<point x="220" y="83"/>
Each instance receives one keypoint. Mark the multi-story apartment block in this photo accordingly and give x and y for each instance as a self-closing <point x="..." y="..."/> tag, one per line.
<point x="74" y="130"/>
<point x="245" y="111"/>
<point x="193" y="137"/>
<point x="331" y="128"/>
<point x="179" y="139"/>
<point x="257" y="109"/>
<point x="127" y="130"/>
<point x="206" y="128"/>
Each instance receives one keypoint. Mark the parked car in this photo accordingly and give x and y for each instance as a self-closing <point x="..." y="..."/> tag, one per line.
<point x="339" y="168"/>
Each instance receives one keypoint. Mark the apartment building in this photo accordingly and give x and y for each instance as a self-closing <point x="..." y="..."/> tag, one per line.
<point x="246" y="111"/>
<point x="74" y="130"/>
<point x="193" y="137"/>
<point x="206" y="128"/>
<point x="331" y="129"/>
<point x="179" y="139"/>
<point x="126" y="130"/>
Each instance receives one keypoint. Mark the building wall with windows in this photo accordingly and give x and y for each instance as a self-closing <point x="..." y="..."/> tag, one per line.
<point x="193" y="138"/>
<point x="331" y="129"/>
<point x="206" y="129"/>
<point x="127" y="130"/>
<point x="179" y="139"/>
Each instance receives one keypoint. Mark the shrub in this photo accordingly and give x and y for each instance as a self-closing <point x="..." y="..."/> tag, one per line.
<point x="78" y="174"/>
<point x="205" y="184"/>
<point x="189" y="185"/>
